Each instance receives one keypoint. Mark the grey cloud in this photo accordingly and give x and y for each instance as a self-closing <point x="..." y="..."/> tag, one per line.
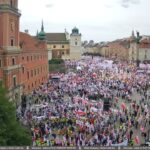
<point x="49" y="5"/>
<point x="107" y="6"/>
<point x="127" y="3"/>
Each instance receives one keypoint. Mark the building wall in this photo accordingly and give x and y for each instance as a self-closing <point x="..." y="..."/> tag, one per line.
<point x="115" y="50"/>
<point x="133" y="52"/>
<point x="24" y="64"/>
<point x="34" y="70"/>
<point x="75" y="47"/>
<point x="58" y="50"/>
<point x="144" y="54"/>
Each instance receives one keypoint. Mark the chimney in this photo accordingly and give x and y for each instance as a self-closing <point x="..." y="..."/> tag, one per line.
<point x="26" y="31"/>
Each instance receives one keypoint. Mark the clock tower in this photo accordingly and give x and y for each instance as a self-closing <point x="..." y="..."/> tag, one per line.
<point x="10" y="52"/>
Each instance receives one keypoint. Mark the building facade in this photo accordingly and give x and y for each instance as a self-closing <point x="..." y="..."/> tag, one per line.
<point x="58" y="45"/>
<point x="75" y="44"/>
<point x="16" y="51"/>
<point x="63" y="45"/>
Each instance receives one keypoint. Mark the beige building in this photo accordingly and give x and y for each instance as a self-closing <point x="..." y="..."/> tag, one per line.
<point x="140" y="51"/>
<point x="117" y="49"/>
<point x="58" y="45"/>
<point x="63" y="45"/>
<point x="75" y="45"/>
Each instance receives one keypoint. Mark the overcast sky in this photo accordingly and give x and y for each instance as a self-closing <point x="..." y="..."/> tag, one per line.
<point x="98" y="20"/>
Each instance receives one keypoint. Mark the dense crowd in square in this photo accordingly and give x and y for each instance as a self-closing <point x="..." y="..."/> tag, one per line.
<point x="69" y="110"/>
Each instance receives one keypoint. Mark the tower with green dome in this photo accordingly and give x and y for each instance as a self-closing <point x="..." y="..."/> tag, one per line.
<point x="75" y="44"/>
<point x="42" y="34"/>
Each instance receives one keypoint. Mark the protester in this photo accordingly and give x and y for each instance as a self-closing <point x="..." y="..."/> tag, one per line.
<point x="70" y="111"/>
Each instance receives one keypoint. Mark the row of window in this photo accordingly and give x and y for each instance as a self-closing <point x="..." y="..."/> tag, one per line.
<point x="36" y="83"/>
<point x="13" y="62"/>
<point x="54" y="46"/>
<point x="35" y="72"/>
<point x="35" y="57"/>
<point x="32" y="85"/>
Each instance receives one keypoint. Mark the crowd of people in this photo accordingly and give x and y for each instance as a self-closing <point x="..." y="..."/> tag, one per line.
<point x="70" y="109"/>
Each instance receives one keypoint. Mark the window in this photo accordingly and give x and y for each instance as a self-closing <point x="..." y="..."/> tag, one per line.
<point x="14" y="81"/>
<point x="62" y="53"/>
<point x="35" y="72"/>
<point x="0" y="63"/>
<point x="27" y="58"/>
<point x="31" y="58"/>
<point x="22" y="69"/>
<point x="63" y="46"/>
<point x="31" y="73"/>
<point x="76" y="43"/>
<point x="28" y="75"/>
<point x="54" y="46"/>
<point x="13" y="61"/>
<point x="22" y="58"/>
<point x="12" y="42"/>
<point x="11" y="3"/>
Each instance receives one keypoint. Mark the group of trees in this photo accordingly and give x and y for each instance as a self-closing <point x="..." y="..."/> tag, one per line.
<point x="12" y="133"/>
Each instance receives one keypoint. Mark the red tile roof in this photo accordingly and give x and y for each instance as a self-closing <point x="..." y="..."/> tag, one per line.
<point x="29" y="43"/>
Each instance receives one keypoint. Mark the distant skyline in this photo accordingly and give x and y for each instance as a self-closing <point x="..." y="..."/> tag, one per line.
<point x="98" y="20"/>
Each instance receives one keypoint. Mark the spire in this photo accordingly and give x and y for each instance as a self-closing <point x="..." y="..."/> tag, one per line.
<point x="42" y="27"/>
<point x="42" y="34"/>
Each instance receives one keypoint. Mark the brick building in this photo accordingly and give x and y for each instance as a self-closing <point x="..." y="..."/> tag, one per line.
<point x="23" y="59"/>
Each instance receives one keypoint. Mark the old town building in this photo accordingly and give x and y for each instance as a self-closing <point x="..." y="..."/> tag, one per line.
<point x="63" y="45"/>
<point x="23" y="59"/>
<point x="58" y="45"/>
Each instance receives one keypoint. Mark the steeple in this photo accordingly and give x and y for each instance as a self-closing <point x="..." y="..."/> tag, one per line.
<point x="42" y="27"/>
<point x="41" y="34"/>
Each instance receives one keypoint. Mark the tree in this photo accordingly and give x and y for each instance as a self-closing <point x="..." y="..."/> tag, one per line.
<point x="11" y="131"/>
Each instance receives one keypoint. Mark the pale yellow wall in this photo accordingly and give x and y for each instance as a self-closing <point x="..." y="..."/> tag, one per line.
<point x="58" y="46"/>
<point x="75" y="56"/>
<point x="144" y="54"/>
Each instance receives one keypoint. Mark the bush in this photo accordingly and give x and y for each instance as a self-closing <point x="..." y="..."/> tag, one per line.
<point x="56" y="61"/>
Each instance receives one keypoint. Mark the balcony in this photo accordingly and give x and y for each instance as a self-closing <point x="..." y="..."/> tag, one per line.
<point x="7" y="7"/>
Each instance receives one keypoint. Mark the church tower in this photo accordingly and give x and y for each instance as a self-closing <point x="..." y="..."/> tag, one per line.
<point x="9" y="47"/>
<point x="75" y="44"/>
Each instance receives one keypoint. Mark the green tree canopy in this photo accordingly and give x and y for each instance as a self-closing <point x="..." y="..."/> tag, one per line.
<point x="11" y="131"/>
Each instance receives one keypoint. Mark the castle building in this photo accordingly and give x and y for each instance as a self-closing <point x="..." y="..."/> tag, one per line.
<point x="63" y="45"/>
<point x="23" y="59"/>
